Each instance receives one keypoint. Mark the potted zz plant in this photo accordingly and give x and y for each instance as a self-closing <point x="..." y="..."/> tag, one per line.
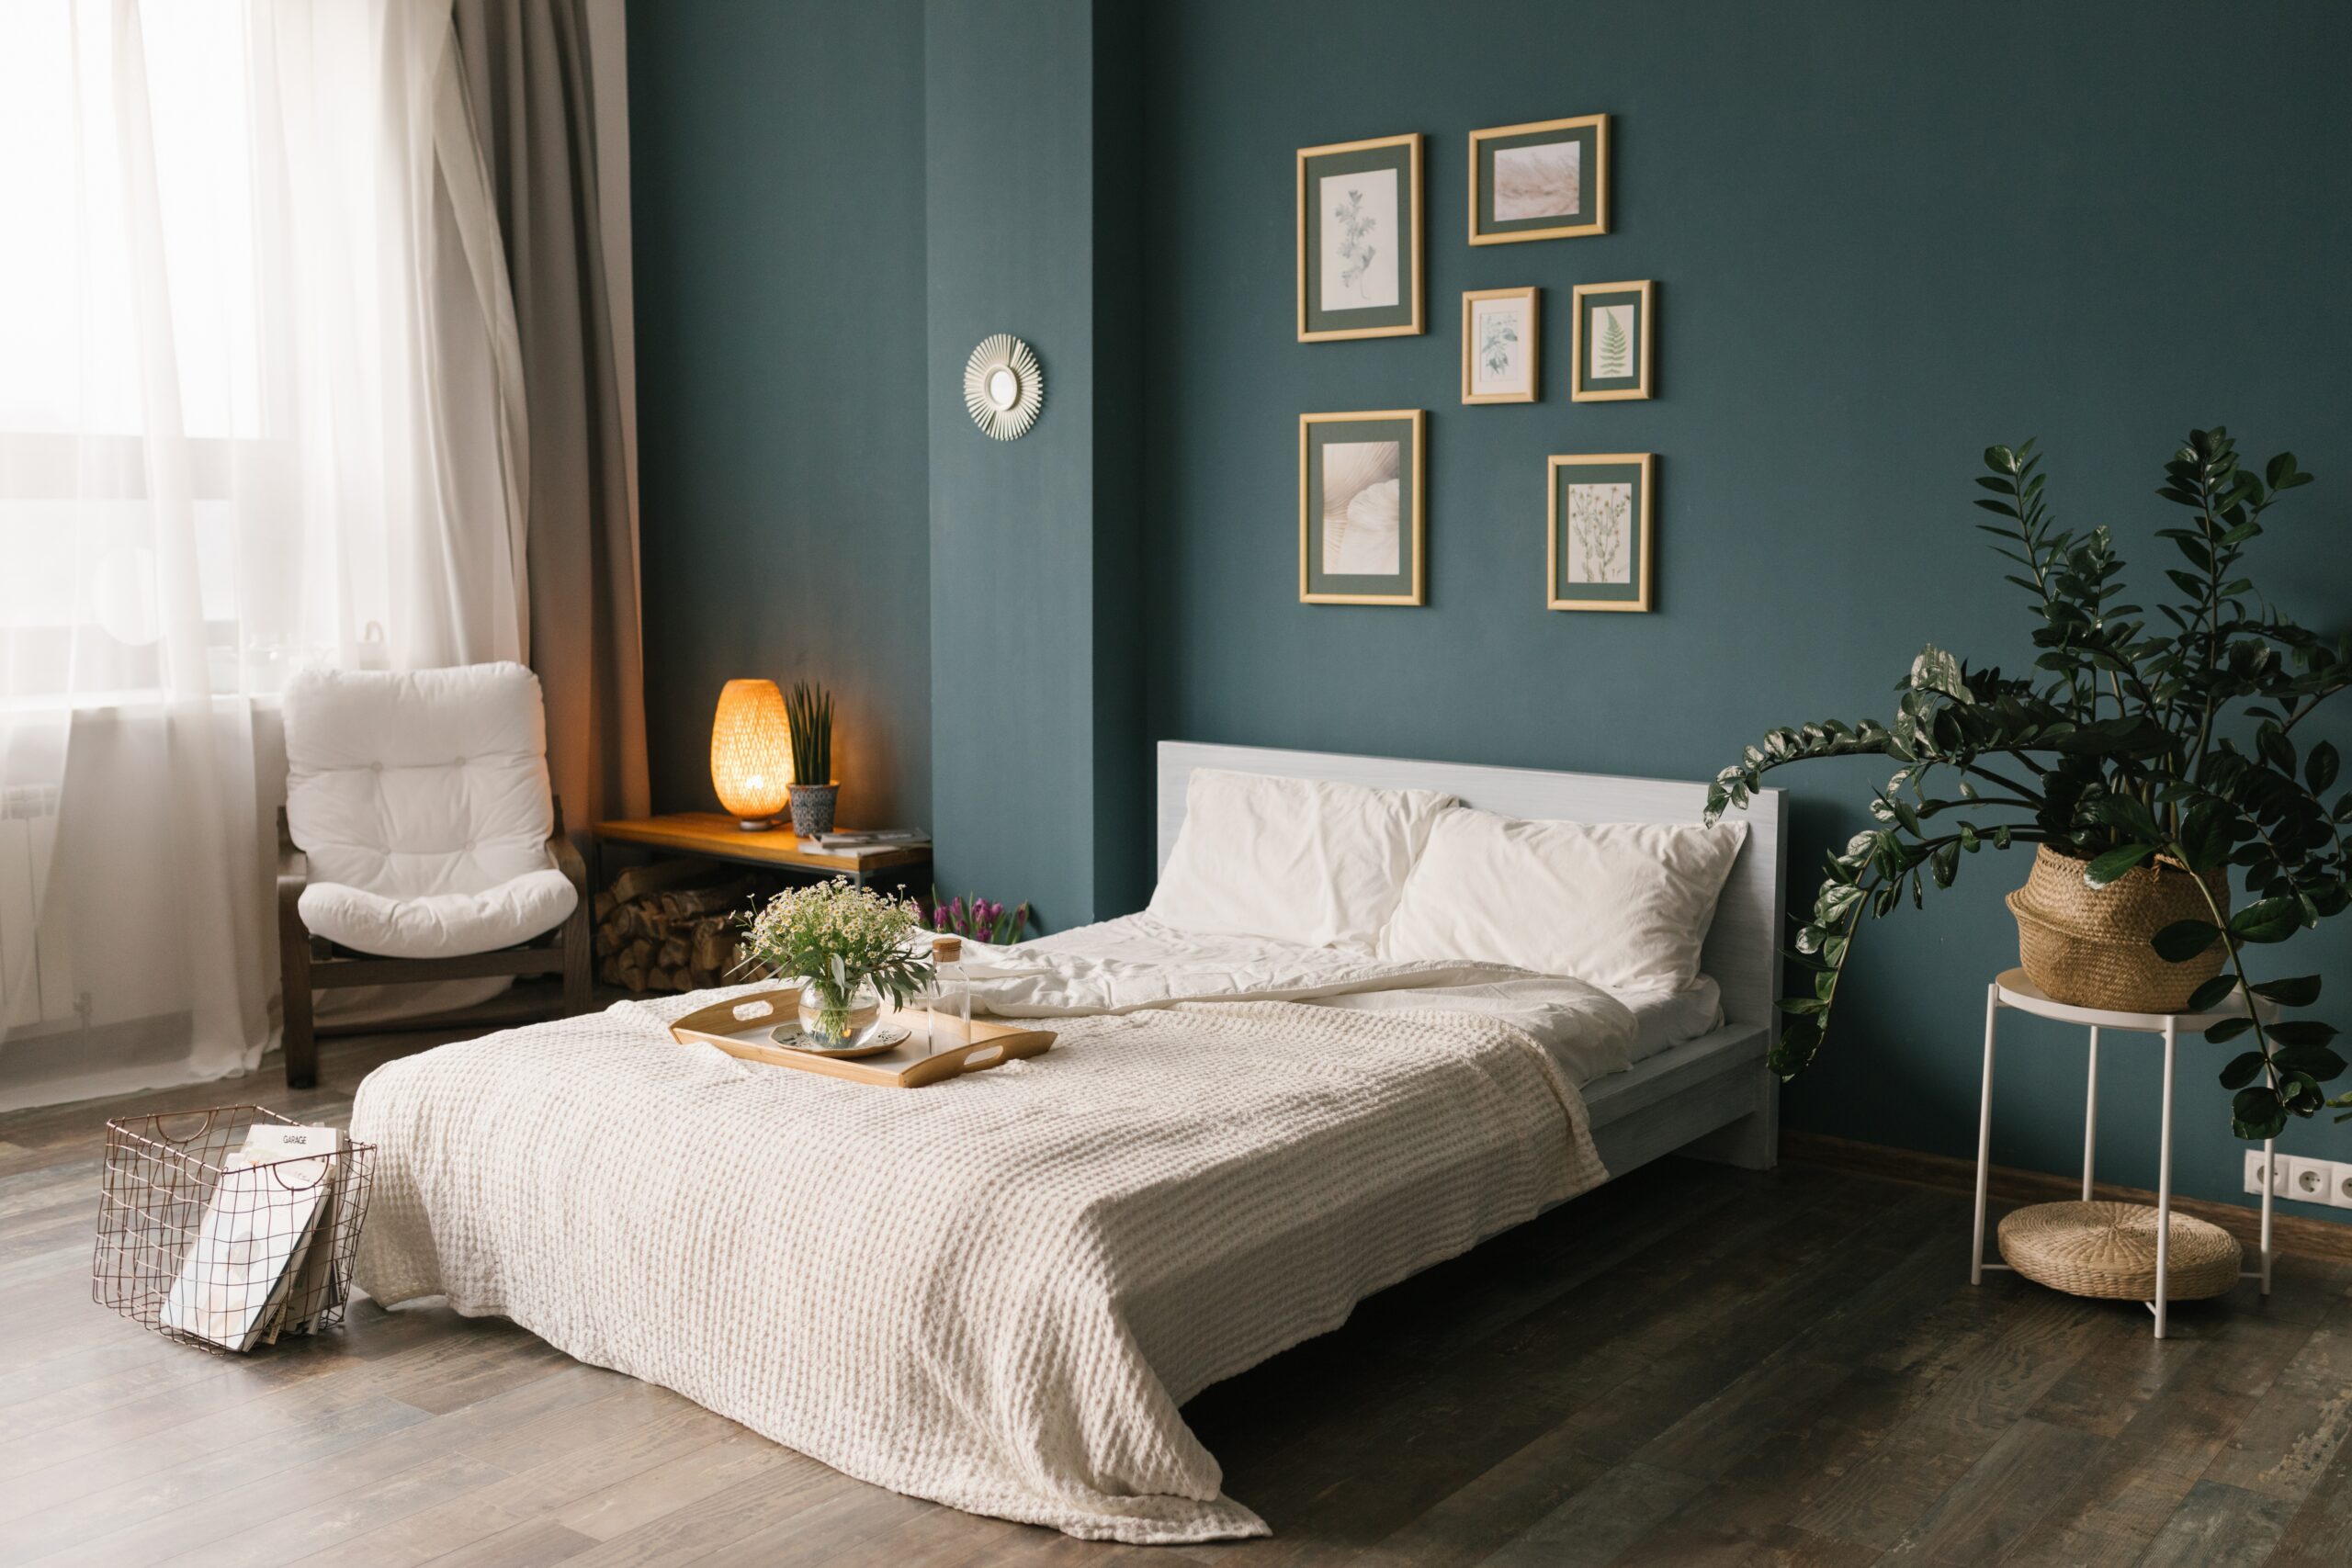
<point x="808" y="714"/>
<point x="2146" y="759"/>
<point x="848" y="946"/>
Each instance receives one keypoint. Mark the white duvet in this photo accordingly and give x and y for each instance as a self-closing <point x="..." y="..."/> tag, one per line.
<point x="996" y="1293"/>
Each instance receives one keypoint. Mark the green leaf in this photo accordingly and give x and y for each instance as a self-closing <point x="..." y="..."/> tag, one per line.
<point x="1935" y="670"/>
<point x="2266" y="919"/>
<point x="2317" y="1061"/>
<point x="2205" y="836"/>
<point x="2184" y="940"/>
<point x="2256" y="1113"/>
<point x="2213" y="993"/>
<point x="2300" y="1031"/>
<point x="2229" y="1029"/>
<point x="2319" y="767"/>
<point x="2300" y="991"/>
<point x="2126" y="812"/>
<point x="2243" y="1069"/>
<point x="2111" y="866"/>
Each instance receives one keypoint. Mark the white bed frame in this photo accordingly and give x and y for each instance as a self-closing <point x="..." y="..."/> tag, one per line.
<point x="1711" y="1097"/>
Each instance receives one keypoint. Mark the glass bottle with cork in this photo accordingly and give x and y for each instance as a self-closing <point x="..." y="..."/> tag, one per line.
<point x="947" y="1000"/>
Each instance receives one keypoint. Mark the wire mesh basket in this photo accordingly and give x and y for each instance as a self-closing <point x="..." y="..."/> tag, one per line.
<point x="230" y="1227"/>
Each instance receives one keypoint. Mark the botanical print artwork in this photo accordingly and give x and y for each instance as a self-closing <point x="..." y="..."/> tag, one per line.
<point x="1543" y="181"/>
<point x="1498" y="348"/>
<point x="1613" y="341"/>
<point x="1360" y="239"/>
<point x="1501" y="348"/>
<point x="1362" y="509"/>
<point x="1600" y="533"/>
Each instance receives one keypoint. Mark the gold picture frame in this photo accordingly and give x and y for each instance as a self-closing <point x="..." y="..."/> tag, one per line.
<point x="1584" y="299"/>
<point x="1327" y="573"/>
<point x="1569" y="584"/>
<point x="1400" y="158"/>
<point x="1492" y="224"/>
<point x="1524" y="348"/>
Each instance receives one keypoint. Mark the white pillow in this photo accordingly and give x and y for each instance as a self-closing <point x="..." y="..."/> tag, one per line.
<point x="1623" y="906"/>
<point x="1298" y="860"/>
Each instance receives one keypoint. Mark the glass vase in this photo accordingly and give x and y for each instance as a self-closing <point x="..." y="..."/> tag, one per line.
<point x="837" y="1019"/>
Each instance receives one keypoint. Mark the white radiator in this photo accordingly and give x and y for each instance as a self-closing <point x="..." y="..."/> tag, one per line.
<point x="35" y="979"/>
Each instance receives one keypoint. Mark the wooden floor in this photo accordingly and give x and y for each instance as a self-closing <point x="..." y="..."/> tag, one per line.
<point x="1694" y="1365"/>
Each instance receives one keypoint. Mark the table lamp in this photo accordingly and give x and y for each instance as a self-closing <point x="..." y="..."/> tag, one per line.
<point x="750" y="753"/>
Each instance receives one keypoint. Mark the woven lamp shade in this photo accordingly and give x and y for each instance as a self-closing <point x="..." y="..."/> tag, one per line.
<point x="751" y="752"/>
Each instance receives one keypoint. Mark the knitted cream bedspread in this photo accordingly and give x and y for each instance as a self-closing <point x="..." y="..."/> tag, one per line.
<point x="994" y="1294"/>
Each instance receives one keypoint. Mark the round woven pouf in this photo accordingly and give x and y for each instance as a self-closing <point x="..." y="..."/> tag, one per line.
<point x="2109" y="1249"/>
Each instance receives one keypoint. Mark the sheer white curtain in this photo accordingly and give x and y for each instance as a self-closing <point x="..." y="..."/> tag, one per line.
<point x="260" y="407"/>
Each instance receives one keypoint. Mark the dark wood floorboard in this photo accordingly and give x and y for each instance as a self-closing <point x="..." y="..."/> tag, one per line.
<point x="1693" y="1365"/>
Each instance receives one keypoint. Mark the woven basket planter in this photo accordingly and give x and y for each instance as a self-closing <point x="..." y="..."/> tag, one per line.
<point x="2088" y="946"/>
<point x="2110" y="1250"/>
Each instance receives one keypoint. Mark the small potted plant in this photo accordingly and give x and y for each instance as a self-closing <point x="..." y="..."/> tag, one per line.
<point x="2146" y="758"/>
<point x="849" y="947"/>
<point x="808" y="712"/>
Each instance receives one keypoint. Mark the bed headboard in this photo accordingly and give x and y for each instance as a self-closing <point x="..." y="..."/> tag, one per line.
<point x="1743" y="950"/>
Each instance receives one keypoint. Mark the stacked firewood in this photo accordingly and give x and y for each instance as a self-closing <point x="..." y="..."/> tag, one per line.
<point x="652" y="935"/>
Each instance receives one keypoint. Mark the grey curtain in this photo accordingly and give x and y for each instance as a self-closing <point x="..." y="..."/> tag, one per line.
<point x="529" y="87"/>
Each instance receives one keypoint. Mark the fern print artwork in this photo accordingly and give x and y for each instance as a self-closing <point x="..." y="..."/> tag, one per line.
<point x="1359" y="240"/>
<point x="1613" y="341"/>
<point x="1600" y="534"/>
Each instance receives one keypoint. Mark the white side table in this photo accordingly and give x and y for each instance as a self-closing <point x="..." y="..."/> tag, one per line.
<point x="2012" y="989"/>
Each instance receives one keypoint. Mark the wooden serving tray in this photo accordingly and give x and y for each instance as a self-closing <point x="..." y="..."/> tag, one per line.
<point x="743" y="1026"/>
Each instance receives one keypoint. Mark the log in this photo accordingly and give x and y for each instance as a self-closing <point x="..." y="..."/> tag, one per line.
<point x="684" y="939"/>
<point x="640" y="880"/>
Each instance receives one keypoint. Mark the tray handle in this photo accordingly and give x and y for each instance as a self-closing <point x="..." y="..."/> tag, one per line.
<point x="739" y="1012"/>
<point x="978" y="1056"/>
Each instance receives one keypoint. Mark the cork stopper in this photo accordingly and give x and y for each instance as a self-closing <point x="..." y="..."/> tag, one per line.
<point x="947" y="950"/>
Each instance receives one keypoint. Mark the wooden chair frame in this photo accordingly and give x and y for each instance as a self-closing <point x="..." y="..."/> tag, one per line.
<point x="309" y="963"/>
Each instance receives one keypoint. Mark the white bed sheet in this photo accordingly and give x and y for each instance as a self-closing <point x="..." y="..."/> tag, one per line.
<point x="1555" y="1010"/>
<point x="1668" y="1018"/>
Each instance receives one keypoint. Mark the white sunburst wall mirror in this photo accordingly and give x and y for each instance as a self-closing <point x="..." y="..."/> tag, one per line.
<point x="1003" y="387"/>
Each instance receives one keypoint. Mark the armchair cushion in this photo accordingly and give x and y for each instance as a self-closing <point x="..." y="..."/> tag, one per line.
<point x="439" y="925"/>
<point x="423" y="804"/>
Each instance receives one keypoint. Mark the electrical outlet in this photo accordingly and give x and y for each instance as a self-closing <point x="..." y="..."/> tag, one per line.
<point x="2310" y="1180"/>
<point x="2278" y="1174"/>
<point x="2341" y="1193"/>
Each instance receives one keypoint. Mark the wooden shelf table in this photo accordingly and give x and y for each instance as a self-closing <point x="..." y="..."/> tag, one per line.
<point x="708" y="835"/>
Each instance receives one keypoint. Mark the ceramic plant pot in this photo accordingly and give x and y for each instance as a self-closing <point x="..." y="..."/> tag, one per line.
<point x="2089" y="946"/>
<point x="812" y="807"/>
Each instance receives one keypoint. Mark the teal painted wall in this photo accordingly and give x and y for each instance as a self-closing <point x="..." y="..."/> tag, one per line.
<point x="1038" y="750"/>
<point x="776" y="154"/>
<point x="1884" y="237"/>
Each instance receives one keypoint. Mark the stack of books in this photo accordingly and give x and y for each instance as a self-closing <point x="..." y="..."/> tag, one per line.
<point x="264" y="1260"/>
<point x="867" y="841"/>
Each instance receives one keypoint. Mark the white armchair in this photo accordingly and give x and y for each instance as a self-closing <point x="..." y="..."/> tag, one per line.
<point x="420" y="841"/>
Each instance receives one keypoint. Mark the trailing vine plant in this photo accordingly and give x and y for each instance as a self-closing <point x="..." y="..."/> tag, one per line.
<point x="2137" y="738"/>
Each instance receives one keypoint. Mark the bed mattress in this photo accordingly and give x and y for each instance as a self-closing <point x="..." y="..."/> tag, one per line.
<point x="997" y="1292"/>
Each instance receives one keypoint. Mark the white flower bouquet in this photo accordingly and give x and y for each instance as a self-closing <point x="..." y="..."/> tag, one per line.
<point x="838" y="940"/>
